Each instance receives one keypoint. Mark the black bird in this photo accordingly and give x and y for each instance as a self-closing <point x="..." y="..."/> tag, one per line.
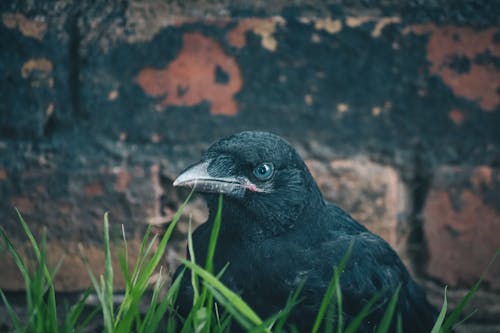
<point x="277" y="232"/>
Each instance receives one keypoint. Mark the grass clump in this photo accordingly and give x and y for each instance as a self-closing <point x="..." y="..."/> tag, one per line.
<point x="215" y="307"/>
<point x="42" y="311"/>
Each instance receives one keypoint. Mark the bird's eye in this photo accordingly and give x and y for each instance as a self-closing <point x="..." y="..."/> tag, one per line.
<point x="264" y="171"/>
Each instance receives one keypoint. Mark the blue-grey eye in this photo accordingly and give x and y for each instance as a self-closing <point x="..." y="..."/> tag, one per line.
<point x="264" y="171"/>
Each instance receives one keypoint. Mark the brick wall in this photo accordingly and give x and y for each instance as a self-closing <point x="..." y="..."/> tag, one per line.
<point x="395" y="108"/>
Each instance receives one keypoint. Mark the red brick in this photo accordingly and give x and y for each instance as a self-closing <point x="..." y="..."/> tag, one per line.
<point x="462" y="225"/>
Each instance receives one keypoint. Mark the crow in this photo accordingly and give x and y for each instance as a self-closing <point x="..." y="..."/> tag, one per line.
<point x="278" y="233"/>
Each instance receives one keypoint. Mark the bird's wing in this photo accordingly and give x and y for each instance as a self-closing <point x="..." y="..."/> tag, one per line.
<point x="373" y="267"/>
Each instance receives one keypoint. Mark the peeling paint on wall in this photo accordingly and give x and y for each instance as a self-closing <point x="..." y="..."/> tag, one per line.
<point x="30" y="28"/>
<point x="324" y="24"/>
<point x="335" y="26"/>
<point x="39" y="72"/>
<point x="201" y="72"/>
<point x="264" y="27"/>
<point x="382" y="23"/>
<point x="464" y="58"/>
<point x="328" y="25"/>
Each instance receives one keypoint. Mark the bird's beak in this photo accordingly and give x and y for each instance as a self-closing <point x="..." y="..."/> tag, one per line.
<point x="197" y="177"/>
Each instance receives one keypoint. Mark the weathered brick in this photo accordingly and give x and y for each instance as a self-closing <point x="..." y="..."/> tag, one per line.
<point x="70" y="205"/>
<point x="462" y="225"/>
<point x="73" y="261"/>
<point x="372" y="193"/>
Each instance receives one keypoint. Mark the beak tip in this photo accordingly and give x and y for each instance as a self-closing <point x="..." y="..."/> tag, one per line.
<point x="179" y="181"/>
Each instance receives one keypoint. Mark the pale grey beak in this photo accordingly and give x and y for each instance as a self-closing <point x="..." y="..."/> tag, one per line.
<point x="197" y="177"/>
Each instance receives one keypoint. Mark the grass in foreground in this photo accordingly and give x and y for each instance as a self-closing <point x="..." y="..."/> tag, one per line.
<point x="215" y="307"/>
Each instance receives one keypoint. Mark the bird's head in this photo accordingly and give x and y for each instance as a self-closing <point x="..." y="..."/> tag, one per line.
<point x="261" y="177"/>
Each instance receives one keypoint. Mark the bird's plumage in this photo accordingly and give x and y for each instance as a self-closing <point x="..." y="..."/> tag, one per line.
<point x="278" y="233"/>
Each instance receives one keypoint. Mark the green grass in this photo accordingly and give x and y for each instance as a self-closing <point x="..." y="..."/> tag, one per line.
<point x="215" y="307"/>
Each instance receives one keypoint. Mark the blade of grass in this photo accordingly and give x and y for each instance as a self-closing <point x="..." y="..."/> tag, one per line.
<point x="158" y="314"/>
<point x="385" y="322"/>
<point x="20" y="265"/>
<point x="365" y="311"/>
<point x="233" y="298"/>
<point x="276" y="322"/>
<point x="241" y="318"/>
<point x="172" y="326"/>
<point x="104" y="288"/>
<point x="157" y="309"/>
<point x="399" y="326"/>
<point x="174" y="287"/>
<point x="12" y="314"/>
<point x="50" y="310"/>
<point x="129" y="308"/>
<point x="123" y="260"/>
<point x="40" y="256"/>
<point x="332" y="287"/>
<point x="213" y="238"/>
<point x="455" y="314"/>
<point x="144" y="258"/>
<point x="86" y="322"/>
<point x="186" y="327"/>
<point x="107" y="311"/>
<point x="107" y="316"/>
<point x="329" y="320"/>
<point x="292" y="301"/>
<point x="442" y="314"/>
<point x="217" y="316"/>
<point x="460" y="322"/>
<point x="338" y="294"/>
<point x="192" y="258"/>
<point x="108" y="267"/>
<point x="44" y="315"/>
<point x="154" y="299"/>
<point x="75" y="312"/>
<point x="225" y="325"/>
<point x="28" y="233"/>
<point x="210" y="261"/>
<point x="142" y="250"/>
<point x="198" y="313"/>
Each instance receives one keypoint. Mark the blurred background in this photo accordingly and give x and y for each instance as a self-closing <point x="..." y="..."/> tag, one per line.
<point x="394" y="105"/>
